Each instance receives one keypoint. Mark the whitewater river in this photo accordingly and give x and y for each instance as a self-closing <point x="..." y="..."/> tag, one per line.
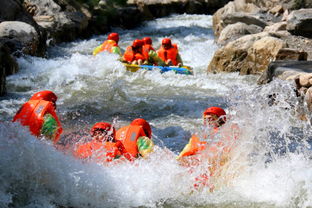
<point x="270" y="166"/>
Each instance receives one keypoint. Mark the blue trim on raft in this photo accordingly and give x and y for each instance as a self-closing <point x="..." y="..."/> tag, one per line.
<point x="163" y="69"/>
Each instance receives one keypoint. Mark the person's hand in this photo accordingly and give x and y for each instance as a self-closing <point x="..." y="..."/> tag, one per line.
<point x="179" y="65"/>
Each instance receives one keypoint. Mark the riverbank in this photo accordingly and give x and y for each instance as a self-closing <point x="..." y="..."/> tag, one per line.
<point x="254" y="34"/>
<point x="30" y="26"/>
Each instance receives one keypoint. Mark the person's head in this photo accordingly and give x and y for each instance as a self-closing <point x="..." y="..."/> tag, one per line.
<point x="103" y="131"/>
<point x="166" y="43"/>
<point x="46" y="95"/>
<point x="137" y="45"/>
<point x="147" y="40"/>
<point x="144" y="124"/>
<point x="113" y="36"/>
<point x="214" y="116"/>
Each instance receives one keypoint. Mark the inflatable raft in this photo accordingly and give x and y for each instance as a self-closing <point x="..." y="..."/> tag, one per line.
<point x="178" y="70"/>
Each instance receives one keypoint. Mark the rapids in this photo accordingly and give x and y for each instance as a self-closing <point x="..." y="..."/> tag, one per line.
<point x="270" y="166"/>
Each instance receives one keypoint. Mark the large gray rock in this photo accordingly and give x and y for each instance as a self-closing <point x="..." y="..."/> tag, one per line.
<point x="299" y="22"/>
<point x="62" y="21"/>
<point x="244" y="18"/>
<point x="250" y="54"/>
<point x="237" y="30"/>
<point x="25" y="36"/>
<point x="13" y="10"/>
<point x="284" y="70"/>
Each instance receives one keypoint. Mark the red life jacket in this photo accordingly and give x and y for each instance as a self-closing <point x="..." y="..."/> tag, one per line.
<point x="129" y="135"/>
<point x="102" y="151"/>
<point x="130" y="55"/>
<point x="170" y="53"/>
<point x="145" y="49"/>
<point x="108" y="45"/>
<point x="32" y="114"/>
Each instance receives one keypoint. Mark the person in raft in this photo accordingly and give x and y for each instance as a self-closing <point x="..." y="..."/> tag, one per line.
<point x="39" y="115"/>
<point x="169" y="53"/>
<point x="136" y="138"/>
<point x="103" y="147"/>
<point x="150" y="54"/>
<point x="134" y="54"/>
<point x="216" y="152"/>
<point x="110" y="45"/>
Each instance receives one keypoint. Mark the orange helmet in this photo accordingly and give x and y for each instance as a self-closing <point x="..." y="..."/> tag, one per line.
<point x="113" y="36"/>
<point x="144" y="124"/>
<point x="137" y="43"/>
<point x="46" y="95"/>
<point x="103" y="126"/>
<point x="147" y="40"/>
<point x="166" y="41"/>
<point x="215" y="111"/>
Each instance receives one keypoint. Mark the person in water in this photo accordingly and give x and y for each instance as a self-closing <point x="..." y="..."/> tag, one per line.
<point x="110" y="45"/>
<point x="134" y="53"/>
<point x="169" y="53"/>
<point x="215" y="152"/>
<point x="150" y="54"/>
<point x="136" y="138"/>
<point x="103" y="147"/>
<point x="39" y="114"/>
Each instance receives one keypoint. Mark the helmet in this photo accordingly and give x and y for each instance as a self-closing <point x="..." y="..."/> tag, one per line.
<point x="113" y="36"/>
<point x="144" y="124"/>
<point x="166" y="41"/>
<point x="137" y="43"/>
<point x="46" y="95"/>
<point x="147" y="40"/>
<point x="103" y="126"/>
<point x="215" y="111"/>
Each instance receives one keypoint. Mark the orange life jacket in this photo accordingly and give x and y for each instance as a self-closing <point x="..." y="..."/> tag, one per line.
<point x="129" y="135"/>
<point x="130" y="55"/>
<point x="145" y="49"/>
<point x="108" y="45"/>
<point x="171" y="53"/>
<point x="103" y="152"/>
<point x="32" y="114"/>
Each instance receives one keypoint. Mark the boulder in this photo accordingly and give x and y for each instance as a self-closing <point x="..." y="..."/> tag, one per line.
<point x="299" y="22"/>
<point x="13" y="10"/>
<point x="244" y="18"/>
<point x="275" y="27"/>
<point x="24" y="35"/>
<point x="63" y="20"/>
<point x="237" y="30"/>
<point x="284" y="70"/>
<point x="288" y="54"/>
<point x="250" y="54"/>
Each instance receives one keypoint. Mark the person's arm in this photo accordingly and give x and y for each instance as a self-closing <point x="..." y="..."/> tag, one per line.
<point x="179" y="59"/>
<point x="145" y="145"/>
<point x="153" y="55"/>
<point x="49" y="127"/>
<point x="116" y="50"/>
<point x="97" y="50"/>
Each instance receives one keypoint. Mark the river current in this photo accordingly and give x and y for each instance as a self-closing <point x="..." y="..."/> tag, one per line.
<point x="270" y="166"/>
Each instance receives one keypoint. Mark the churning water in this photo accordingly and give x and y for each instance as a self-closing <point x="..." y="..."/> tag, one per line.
<point x="270" y="166"/>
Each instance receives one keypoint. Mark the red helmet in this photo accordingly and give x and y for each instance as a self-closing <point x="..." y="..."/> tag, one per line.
<point x="144" y="124"/>
<point x="166" y="41"/>
<point x="147" y="40"/>
<point x="46" y="95"/>
<point x="137" y="43"/>
<point x="113" y="36"/>
<point x="103" y="126"/>
<point x="215" y="111"/>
